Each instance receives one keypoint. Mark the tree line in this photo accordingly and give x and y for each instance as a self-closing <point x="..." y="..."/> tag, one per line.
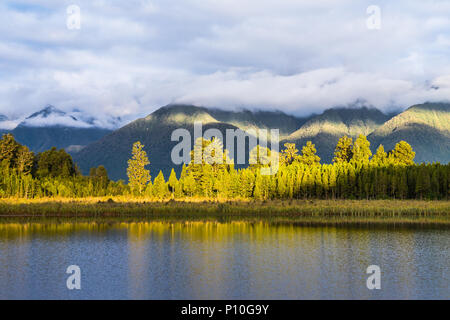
<point x="51" y="173"/>
<point x="354" y="174"/>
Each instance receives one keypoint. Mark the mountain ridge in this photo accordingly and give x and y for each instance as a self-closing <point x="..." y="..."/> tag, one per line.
<point x="155" y="130"/>
<point x="426" y="127"/>
<point x="325" y="129"/>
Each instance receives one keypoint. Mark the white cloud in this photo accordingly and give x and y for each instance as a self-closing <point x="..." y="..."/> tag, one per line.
<point x="130" y="57"/>
<point x="53" y="120"/>
<point x="9" y="124"/>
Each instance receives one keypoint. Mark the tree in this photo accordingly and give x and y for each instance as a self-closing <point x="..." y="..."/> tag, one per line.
<point x="333" y="180"/>
<point x="403" y="185"/>
<point x="173" y="183"/>
<point x="189" y="185"/>
<point x="423" y="182"/>
<point x="138" y="176"/>
<point x="160" y="188"/>
<point x="208" y="161"/>
<point x="351" y="181"/>
<point x="343" y="151"/>
<point x="402" y="154"/>
<point x="325" y="182"/>
<point x="361" y="150"/>
<point x="260" y="157"/>
<point x="289" y="154"/>
<point x="307" y="183"/>
<point x="380" y="157"/>
<point x="100" y="179"/>
<point x="247" y="182"/>
<point x="258" y="192"/>
<point x="24" y="160"/>
<point x="318" y="182"/>
<point x="8" y="149"/>
<point x="309" y="156"/>
<point x="282" y="184"/>
<point x="53" y="173"/>
<point x="55" y="163"/>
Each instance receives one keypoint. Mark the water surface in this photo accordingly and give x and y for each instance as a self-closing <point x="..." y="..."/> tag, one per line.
<point x="155" y="260"/>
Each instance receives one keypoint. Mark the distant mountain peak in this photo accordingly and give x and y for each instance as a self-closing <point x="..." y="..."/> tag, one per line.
<point x="53" y="127"/>
<point x="47" y="111"/>
<point x="50" y="116"/>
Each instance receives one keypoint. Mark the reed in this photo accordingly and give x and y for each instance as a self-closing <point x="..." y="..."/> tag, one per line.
<point x="308" y="212"/>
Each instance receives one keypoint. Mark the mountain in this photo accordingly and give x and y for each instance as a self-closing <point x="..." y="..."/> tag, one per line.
<point x="324" y="130"/>
<point x="246" y="119"/>
<point x="155" y="131"/>
<point x="51" y="127"/>
<point x="426" y="127"/>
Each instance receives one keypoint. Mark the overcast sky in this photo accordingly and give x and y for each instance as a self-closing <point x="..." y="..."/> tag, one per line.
<point x="131" y="57"/>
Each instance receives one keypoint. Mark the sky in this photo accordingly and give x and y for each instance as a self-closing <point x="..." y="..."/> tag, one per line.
<point x="128" y="58"/>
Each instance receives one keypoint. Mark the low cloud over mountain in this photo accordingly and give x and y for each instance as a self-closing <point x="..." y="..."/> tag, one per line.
<point x="51" y="116"/>
<point x="52" y="127"/>
<point x="130" y="57"/>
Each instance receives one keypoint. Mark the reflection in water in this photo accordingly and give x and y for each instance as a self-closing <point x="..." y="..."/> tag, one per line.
<point x="208" y="260"/>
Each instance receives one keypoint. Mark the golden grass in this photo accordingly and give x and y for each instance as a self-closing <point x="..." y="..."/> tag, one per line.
<point x="405" y="212"/>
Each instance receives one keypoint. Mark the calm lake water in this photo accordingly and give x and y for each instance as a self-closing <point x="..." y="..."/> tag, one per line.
<point x="221" y="261"/>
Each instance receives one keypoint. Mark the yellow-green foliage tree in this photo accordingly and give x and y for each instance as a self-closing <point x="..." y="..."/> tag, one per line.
<point x="138" y="176"/>
<point x="208" y="161"/>
<point x="343" y="151"/>
<point x="289" y="154"/>
<point x="53" y="174"/>
<point x="361" y="151"/>
<point x="380" y="157"/>
<point x="173" y="184"/>
<point x="24" y="160"/>
<point x="160" y="188"/>
<point x="99" y="180"/>
<point x="402" y="154"/>
<point x="309" y="156"/>
<point x="8" y="149"/>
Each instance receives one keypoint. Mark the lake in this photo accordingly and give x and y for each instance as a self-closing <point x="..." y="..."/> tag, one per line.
<point x="208" y="260"/>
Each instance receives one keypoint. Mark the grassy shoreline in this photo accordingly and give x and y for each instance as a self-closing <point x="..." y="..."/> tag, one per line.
<point x="304" y="212"/>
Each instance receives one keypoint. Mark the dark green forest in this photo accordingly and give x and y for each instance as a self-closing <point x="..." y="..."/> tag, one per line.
<point x="354" y="174"/>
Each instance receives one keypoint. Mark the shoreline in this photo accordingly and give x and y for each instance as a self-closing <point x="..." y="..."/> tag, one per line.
<point x="300" y="212"/>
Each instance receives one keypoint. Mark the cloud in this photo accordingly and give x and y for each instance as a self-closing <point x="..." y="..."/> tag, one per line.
<point x="55" y="120"/>
<point x="9" y="124"/>
<point x="315" y="90"/>
<point x="130" y="57"/>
